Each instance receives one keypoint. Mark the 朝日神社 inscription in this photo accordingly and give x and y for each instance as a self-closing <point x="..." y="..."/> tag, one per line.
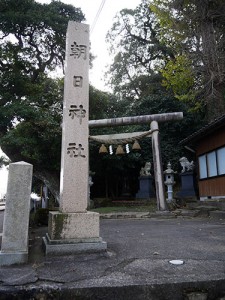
<point x="79" y="112"/>
<point x="74" y="151"/>
<point x="74" y="158"/>
<point x="78" y="51"/>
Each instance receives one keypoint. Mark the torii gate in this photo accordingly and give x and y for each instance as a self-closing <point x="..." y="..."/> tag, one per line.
<point x="153" y="133"/>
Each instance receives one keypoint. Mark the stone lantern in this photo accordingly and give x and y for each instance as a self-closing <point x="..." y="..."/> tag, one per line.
<point x="169" y="182"/>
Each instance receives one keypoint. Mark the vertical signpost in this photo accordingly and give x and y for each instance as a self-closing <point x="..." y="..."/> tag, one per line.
<point x="74" y="159"/>
<point x="74" y="229"/>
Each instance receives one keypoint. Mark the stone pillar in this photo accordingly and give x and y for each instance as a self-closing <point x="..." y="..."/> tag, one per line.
<point x="158" y="170"/>
<point x="74" y="157"/>
<point x="73" y="225"/>
<point x="14" y="248"/>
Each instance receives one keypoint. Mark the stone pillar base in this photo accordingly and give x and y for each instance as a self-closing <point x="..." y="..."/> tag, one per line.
<point x="71" y="233"/>
<point x="187" y="186"/>
<point x="146" y="188"/>
<point x="11" y="258"/>
<point x="65" y="247"/>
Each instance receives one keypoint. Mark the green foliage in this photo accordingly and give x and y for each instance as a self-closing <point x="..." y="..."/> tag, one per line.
<point x="178" y="75"/>
<point x="194" y="29"/>
<point x="32" y="44"/>
<point x="134" y="42"/>
<point x="98" y="103"/>
<point x="37" y="138"/>
<point x="171" y="133"/>
<point x="173" y="24"/>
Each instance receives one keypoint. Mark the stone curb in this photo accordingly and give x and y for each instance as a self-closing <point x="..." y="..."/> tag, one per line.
<point x="198" y="290"/>
<point x="159" y="214"/>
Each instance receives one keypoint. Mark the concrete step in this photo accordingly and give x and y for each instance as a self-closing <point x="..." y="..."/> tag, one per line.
<point x="217" y="204"/>
<point x="217" y="214"/>
<point x="186" y="213"/>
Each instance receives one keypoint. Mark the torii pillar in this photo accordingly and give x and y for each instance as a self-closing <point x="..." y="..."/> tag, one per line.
<point x="73" y="229"/>
<point x="158" y="171"/>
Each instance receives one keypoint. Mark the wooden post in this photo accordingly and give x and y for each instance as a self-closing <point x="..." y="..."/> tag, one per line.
<point x="156" y="150"/>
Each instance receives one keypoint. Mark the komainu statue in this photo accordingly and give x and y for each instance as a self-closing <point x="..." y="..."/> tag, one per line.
<point x="145" y="171"/>
<point x="186" y="165"/>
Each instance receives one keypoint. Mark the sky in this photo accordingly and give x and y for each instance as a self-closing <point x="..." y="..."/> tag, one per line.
<point x="99" y="49"/>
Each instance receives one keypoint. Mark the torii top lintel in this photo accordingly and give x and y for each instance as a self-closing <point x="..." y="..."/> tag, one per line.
<point x="145" y="119"/>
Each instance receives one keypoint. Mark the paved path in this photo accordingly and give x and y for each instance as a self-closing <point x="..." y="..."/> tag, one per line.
<point x="136" y="265"/>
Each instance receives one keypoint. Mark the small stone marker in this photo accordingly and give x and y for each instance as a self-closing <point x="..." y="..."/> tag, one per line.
<point x="73" y="229"/>
<point x="14" y="249"/>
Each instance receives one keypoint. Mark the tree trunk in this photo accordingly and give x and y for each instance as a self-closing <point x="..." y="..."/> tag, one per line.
<point x="213" y="60"/>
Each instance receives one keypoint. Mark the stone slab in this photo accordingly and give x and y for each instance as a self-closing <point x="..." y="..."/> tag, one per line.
<point x="73" y="248"/>
<point x="17" y="210"/>
<point x="7" y="259"/>
<point x="18" y="275"/>
<point x="72" y="241"/>
<point x="217" y="214"/>
<point x="125" y="215"/>
<point x="66" y="226"/>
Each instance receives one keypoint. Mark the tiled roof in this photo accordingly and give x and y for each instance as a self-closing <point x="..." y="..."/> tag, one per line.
<point x="204" y="131"/>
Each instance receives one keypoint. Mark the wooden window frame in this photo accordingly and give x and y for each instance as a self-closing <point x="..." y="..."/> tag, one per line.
<point x="207" y="164"/>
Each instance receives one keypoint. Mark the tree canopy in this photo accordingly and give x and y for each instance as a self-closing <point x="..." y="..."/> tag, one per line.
<point x="134" y="42"/>
<point x="182" y="39"/>
<point x="194" y="30"/>
<point x="32" y="44"/>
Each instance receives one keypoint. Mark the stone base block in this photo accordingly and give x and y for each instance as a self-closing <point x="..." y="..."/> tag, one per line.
<point x="65" y="247"/>
<point x="73" y="226"/>
<point x="71" y="233"/>
<point x="146" y="188"/>
<point x="7" y="259"/>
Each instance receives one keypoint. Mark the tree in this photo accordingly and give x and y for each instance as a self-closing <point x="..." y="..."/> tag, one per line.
<point x="194" y="29"/>
<point x="32" y="45"/>
<point x="137" y="50"/>
<point x="37" y="139"/>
